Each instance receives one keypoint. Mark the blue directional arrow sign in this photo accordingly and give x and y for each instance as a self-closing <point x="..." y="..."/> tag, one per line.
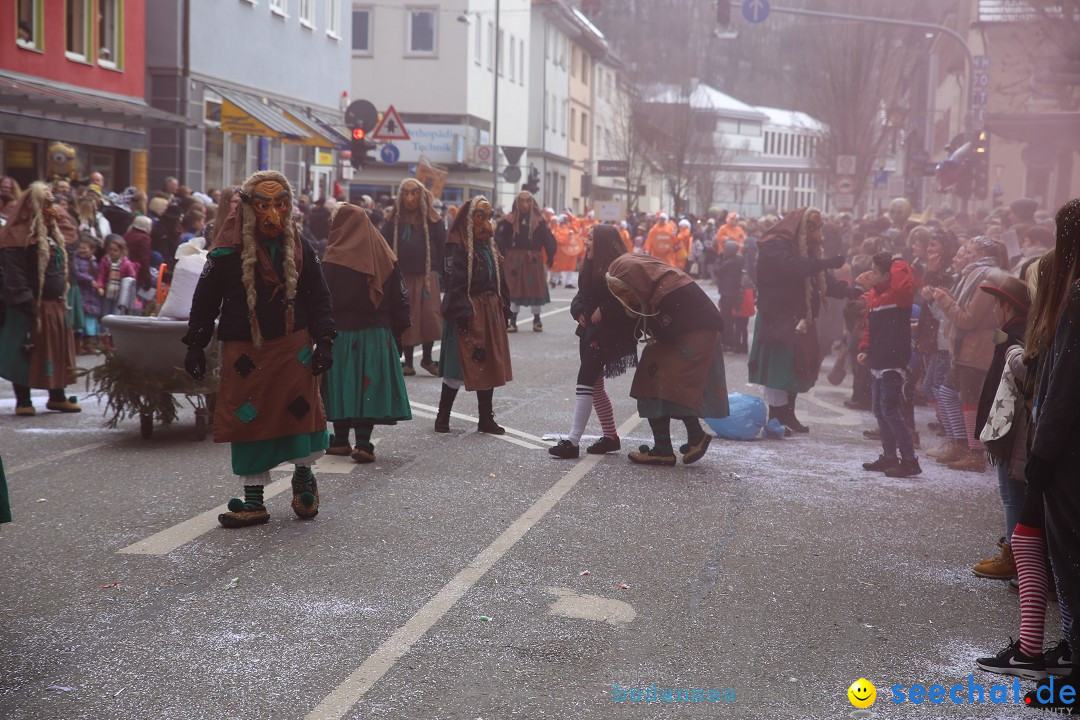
<point x="389" y="154"/>
<point x="755" y="11"/>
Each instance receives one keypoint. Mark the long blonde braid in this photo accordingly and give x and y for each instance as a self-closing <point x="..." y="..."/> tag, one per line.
<point x="42" y="234"/>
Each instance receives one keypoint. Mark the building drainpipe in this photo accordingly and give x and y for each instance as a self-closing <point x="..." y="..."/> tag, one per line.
<point x="185" y="87"/>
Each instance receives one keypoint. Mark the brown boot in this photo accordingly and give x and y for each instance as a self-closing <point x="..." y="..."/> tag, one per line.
<point x="971" y="461"/>
<point x="957" y="449"/>
<point x="1002" y="567"/>
<point x="939" y="450"/>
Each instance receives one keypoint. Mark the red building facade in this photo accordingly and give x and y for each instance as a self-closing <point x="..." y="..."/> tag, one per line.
<point x="74" y="72"/>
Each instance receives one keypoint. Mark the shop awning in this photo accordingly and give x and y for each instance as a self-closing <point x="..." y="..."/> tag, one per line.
<point x="249" y="115"/>
<point x="318" y="137"/>
<point x="29" y="95"/>
<point x="334" y="126"/>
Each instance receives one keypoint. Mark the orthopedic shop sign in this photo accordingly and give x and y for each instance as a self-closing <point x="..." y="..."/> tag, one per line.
<point x="444" y="144"/>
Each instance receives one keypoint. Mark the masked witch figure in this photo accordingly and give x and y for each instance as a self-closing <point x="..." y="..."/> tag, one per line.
<point x="792" y="280"/>
<point x="523" y="237"/>
<point x="277" y="333"/>
<point x="37" y="344"/>
<point x="365" y="387"/>
<point x="476" y="306"/>
<point x="417" y="236"/>
<point x="681" y="370"/>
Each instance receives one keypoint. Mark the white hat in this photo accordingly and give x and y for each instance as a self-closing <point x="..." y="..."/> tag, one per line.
<point x="562" y="218"/>
<point x="664" y="216"/>
<point x="622" y="223"/>
<point x="684" y="223"/>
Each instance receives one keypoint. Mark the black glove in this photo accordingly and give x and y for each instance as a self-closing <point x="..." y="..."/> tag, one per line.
<point x="195" y="362"/>
<point x="463" y="324"/>
<point x="323" y="357"/>
<point x="833" y="263"/>
<point x="1038" y="472"/>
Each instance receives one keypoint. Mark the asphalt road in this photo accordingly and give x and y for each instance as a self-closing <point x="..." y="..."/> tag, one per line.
<point x="777" y="572"/>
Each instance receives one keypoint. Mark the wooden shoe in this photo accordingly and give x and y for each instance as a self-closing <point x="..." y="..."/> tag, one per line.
<point x="25" y="410"/>
<point x="431" y="366"/>
<point x="340" y="450"/>
<point x="68" y="405"/>
<point x="305" y="498"/>
<point x="693" y="453"/>
<point x="646" y="456"/>
<point x="362" y="455"/>
<point x="408" y="370"/>
<point x="244" y="518"/>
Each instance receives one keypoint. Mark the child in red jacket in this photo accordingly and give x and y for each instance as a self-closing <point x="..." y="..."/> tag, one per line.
<point x="886" y="350"/>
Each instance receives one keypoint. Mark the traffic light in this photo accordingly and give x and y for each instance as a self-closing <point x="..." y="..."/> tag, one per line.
<point x="533" y="185"/>
<point x="723" y="12"/>
<point x="360" y="147"/>
<point x="980" y="165"/>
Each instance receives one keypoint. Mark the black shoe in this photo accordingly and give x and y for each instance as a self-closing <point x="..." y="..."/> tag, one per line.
<point x="604" y="445"/>
<point x="1058" y="659"/>
<point x="570" y="286"/>
<point x="487" y="422"/>
<point x="489" y="426"/>
<point x="1010" y="661"/>
<point x="564" y="449"/>
<point x="446" y="404"/>
<point x="882" y="464"/>
<point x="906" y="468"/>
<point x="1051" y="690"/>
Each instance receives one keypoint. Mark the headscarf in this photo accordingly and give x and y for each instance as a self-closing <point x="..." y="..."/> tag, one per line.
<point x="28" y="226"/>
<point x="650" y="279"/>
<point x="355" y="244"/>
<point x="238" y="233"/>
<point x="428" y="214"/>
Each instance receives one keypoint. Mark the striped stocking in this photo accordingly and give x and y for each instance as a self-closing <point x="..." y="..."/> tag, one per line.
<point x="604" y="413"/>
<point x="1029" y="550"/>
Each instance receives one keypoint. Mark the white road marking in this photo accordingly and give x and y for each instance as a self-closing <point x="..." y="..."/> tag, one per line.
<point x="57" y="456"/>
<point x="572" y="604"/>
<point x="437" y="345"/>
<point x="505" y="438"/>
<point x="335" y="705"/>
<point x="173" y="537"/>
<point x="460" y="416"/>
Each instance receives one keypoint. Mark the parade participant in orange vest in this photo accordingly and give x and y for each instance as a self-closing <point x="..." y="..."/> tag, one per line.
<point x="624" y="233"/>
<point x="730" y="230"/>
<point x="661" y="242"/>
<point x="685" y="241"/>
<point x="569" y="247"/>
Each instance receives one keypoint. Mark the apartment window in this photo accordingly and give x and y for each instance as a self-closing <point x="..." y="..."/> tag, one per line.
<point x="573" y="62"/>
<point x="573" y="124"/>
<point x="562" y="117"/>
<point x="521" y="63"/>
<point x="333" y="18"/>
<point x="500" y="62"/>
<point x="78" y="29"/>
<point x="491" y="45"/>
<point x="478" y="43"/>
<point x="110" y="32"/>
<point x="279" y="7"/>
<point x="584" y="128"/>
<point x="584" y="68"/>
<point x="28" y="33"/>
<point x="513" y="57"/>
<point x="307" y="13"/>
<point x="361" y="31"/>
<point x="421" y="31"/>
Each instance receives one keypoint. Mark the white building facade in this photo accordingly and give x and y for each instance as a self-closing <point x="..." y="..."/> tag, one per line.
<point x="444" y="59"/>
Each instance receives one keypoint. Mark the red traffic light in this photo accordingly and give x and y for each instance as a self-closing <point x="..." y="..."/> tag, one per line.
<point x="358" y="133"/>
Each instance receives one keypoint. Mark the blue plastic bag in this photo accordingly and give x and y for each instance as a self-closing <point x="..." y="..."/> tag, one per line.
<point x="745" y="420"/>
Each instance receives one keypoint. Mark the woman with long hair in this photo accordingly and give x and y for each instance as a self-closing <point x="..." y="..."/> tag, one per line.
<point x="606" y="343"/>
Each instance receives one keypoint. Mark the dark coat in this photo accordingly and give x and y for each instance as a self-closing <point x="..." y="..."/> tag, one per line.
<point x="221" y="290"/>
<point x="455" y="303"/>
<point x="1014" y="331"/>
<point x="410" y="249"/>
<point x="613" y="337"/>
<point x="19" y="268"/>
<point x="781" y="299"/>
<point x="728" y="275"/>
<point x="353" y="309"/>
<point x="509" y="238"/>
<point x="1057" y="425"/>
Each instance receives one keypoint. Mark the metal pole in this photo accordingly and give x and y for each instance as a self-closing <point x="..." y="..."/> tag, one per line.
<point x="495" y="116"/>
<point x="949" y="32"/>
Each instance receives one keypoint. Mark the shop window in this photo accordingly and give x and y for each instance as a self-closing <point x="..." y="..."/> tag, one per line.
<point x="420" y="31"/>
<point x="361" y="31"/>
<point x="29" y="27"/>
<point x="78" y="29"/>
<point x="110" y="33"/>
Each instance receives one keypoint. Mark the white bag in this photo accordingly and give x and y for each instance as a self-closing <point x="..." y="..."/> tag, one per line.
<point x="185" y="277"/>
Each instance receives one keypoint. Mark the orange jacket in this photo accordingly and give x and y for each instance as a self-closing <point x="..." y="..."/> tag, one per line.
<point x="729" y="232"/>
<point x="570" y="246"/>
<point x="662" y="243"/>
<point x="625" y="235"/>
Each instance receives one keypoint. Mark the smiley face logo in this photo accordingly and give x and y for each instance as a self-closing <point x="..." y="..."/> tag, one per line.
<point x="862" y="693"/>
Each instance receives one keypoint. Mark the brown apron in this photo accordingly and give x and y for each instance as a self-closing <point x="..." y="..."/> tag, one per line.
<point x="267" y="392"/>
<point x="485" y="349"/>
<point x="676" y="371"/>
<point x="526" y="276"/>
<point x="424" y="312"/>
<point x="52" y="361"/>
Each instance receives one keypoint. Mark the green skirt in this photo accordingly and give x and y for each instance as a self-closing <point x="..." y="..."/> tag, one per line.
<point x="449" y="355"/>
<point x="366" y="382"/>
<point x="76" y="315"/>
<point x="772" y="364"/>
<point x="259" y="456"/>
<point x="5" y="506"/>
